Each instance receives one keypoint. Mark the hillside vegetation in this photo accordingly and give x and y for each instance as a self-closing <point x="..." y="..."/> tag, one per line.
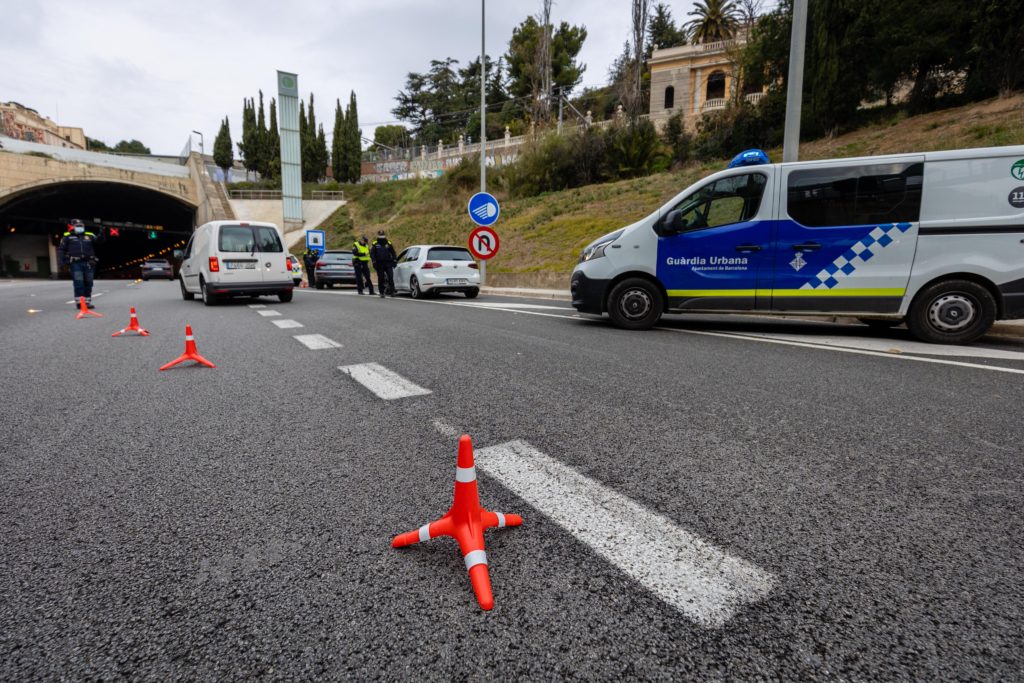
<point x="541" y="236"/>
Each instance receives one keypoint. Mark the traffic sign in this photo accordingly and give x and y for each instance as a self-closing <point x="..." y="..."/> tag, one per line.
<point x="315" y="240"/>
<point x="483" y="208"/>
<point x="484" y="243"/>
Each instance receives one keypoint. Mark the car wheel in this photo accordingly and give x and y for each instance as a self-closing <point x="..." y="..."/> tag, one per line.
<point x="952" y="312"/>
<point x="319" y="285"/>
<point x="879" y="323"/>
<point x="204" y="290"/>
<point x="285" y="297"/>
<point x="185" y="294"/>
<point x="472" y="293"/>
<point x="635" y="304"/>
<point x="414" y="288"/>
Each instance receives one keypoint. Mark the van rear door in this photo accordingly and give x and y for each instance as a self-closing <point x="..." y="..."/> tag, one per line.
<point x="273" y="261"/>
<point x="238" y="255"/>
<point x="846" y="235"/>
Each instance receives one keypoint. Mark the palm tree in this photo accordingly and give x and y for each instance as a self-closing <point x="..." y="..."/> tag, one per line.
<point x="713" y="20"/>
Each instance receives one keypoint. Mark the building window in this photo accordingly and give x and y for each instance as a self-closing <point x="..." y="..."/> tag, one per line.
<point x="670" y="97"/>
<point x="30" y="136"/>
<point x="716" y="86"/>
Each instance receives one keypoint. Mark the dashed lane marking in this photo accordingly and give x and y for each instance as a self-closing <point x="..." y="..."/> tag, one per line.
<point x="94" y="296"/>
<point x="287" y="324"/>
<point x="384" y="383"/>
<point x="257" y="305"/>
<point x="317" y="342"/>
<point x="269" y="314"/>
<point x="703" y="582"/>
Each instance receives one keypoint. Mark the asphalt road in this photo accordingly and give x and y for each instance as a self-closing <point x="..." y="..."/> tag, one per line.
<point x="236" y="522"/>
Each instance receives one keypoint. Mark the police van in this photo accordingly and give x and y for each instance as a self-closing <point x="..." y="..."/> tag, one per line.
<point x="935" y="240"/>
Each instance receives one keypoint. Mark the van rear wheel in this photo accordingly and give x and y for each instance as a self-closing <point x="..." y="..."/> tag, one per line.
<point x="635" y="304"/>
<point x="952" y="312"/>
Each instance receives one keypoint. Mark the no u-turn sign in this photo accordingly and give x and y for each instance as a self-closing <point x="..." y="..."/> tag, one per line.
<point x="484" y="243"/>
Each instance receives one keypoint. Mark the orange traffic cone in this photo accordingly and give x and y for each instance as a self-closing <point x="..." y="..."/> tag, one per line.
<point x="133" y="326"/>
<point x="190" y="352"/>
<point x="84" y="311"/>
<point x="465" y="521"/>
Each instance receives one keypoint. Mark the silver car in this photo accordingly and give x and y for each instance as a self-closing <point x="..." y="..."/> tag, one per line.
<point x="427" y="269"/>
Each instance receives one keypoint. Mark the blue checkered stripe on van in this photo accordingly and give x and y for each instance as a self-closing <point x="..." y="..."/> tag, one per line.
<point x="856" y="256"/>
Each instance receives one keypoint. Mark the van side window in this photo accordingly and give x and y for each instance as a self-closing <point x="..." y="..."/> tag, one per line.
<point x="735" y="199"/>
<point x="855" y="195"/>
<point x="188" y="247"/>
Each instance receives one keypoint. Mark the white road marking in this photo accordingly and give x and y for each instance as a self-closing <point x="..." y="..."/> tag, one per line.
<point x="384" y="383"/>
<point x="269" y="314"/>
<point x="94" y="296"/>
<point x="257" y="305"/>
<point x="317" y="342"/>
<point x="703" y="582"/>
<point x="890" y="345"/>
<point x="510" y="306"/>
<point x="287" y="324"/>
<point x="837" y="349"/>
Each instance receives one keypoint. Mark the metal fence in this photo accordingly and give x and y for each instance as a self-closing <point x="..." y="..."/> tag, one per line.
<point x="316" y="195"/>
<point x="327" y="194"/>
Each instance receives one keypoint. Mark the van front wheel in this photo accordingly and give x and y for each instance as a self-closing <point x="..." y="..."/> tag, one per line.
<point x="635" y="304"/>
<point x="952" y="312"/>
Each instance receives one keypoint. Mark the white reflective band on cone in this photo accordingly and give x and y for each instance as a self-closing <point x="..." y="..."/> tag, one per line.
<point x="465" y="474"/>
<point x="190" y="338"/>
<point x="474" y="558"/>
<point x="424" y="533"/>
<point x="501" y="519"/>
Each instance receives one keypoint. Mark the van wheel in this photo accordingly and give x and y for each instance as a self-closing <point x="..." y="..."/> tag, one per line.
<point x="204" y="290"/>
<point x="879" y="323"/>
<point x="185" y="294"/>
<point x="285" y="297"/>
<point x="952" y="312"/>
<point x="635" y="304"/>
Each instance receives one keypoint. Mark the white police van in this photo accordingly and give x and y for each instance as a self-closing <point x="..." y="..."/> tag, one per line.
<point x="933" y="239"/>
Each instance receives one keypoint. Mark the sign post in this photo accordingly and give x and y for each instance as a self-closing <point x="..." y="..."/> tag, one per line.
<point x="483" y="210"/>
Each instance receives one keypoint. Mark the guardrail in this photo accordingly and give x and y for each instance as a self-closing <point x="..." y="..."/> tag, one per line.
<point x="327" y="194"/>
<point x="255" y="194"/>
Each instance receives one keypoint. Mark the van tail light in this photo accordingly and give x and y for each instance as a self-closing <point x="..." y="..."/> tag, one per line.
<point x="287" y="262"/>
<point x="473" y="265"/>
<point x="430" y="265"/>
<point x="214" y="265"/>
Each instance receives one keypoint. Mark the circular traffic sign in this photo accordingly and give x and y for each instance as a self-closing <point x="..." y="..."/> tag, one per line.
<point x="484" y="243"/>
<point x="483" y="208"/>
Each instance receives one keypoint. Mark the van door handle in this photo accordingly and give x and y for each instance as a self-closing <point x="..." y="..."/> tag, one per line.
<point x="807" y="246"/>
<point x="748" y="247"/>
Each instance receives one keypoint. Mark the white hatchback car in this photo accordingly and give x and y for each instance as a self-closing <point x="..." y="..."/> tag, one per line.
<point x="427" y="269"/>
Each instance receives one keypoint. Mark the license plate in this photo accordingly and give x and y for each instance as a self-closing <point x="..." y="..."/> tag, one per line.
<point x="457" y="281"/>
<point x="156" y="269"/>
<point x="241" y="265"/>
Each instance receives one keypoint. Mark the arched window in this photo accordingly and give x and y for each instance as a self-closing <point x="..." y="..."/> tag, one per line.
<point x="670" y="97"/>
<point x="716" y="86"/>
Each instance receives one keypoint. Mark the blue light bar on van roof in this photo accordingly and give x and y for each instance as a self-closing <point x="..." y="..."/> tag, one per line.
<point x="751" y="157"/>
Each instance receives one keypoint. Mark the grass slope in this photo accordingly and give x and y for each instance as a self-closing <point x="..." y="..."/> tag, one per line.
<point x="541" y="237"/>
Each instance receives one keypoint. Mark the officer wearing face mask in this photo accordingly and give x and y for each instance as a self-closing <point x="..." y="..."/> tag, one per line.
<point x="77" y="252"/>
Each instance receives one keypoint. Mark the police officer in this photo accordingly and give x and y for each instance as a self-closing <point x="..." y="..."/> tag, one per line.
<point x="309" y="258"/>
<point x="384" y="259"/>
<point x="361" y="261"/>
<point x="77" y="251"/>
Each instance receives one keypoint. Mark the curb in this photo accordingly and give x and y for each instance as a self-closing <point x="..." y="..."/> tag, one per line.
<point x="550" y="294"/>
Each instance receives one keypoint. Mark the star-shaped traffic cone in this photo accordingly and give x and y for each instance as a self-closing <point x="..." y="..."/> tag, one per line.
<point x="83" y="310"/>
<point x="190" y="352"/>
<point x="133" y="326"/>
<point x="465" y="522"/>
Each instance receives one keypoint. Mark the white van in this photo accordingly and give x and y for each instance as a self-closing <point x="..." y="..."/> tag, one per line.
<point x="935" y="240"/>
<point x="235" y="258"/>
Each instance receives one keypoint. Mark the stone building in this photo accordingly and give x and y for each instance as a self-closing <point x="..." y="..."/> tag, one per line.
<point x="694" y="79"/>
<point x="22" y="123"/>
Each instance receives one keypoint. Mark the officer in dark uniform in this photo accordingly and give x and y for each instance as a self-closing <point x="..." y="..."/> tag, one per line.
<point x="309" y="258"/>
<point x="384" y="259"/>
<point x="77" y="252"/>
<point x="361" y="263"/>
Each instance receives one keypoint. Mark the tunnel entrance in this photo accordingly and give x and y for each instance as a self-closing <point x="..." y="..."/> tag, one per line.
<point x="133" y="223"/>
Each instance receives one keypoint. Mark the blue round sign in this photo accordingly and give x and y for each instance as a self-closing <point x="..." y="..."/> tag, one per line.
<point x="483" y="208"/>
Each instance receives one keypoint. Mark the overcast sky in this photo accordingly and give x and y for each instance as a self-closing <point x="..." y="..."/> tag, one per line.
<point x="154" y="71"/>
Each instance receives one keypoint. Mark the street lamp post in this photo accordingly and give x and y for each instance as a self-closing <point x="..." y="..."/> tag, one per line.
<point x="201" y="151"/>
<point x="483" y="122"/>
<point x="795" y="82"/>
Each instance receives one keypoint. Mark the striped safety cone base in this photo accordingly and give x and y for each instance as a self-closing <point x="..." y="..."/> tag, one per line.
<point x="133" y="326"/>
<point x="191" y="353"/>
<point x="83" y="310"/>
<point x="465" y="522"/>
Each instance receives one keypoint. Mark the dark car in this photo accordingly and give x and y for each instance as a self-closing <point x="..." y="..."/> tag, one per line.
<point x="157" y="267"/>
<point x="335" y="268"/>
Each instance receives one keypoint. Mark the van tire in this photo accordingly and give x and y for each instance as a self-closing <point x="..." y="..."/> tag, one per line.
<point x="185" y="294"/>
<point x="285" y="297"/>
<point x="208" y="299"/>
<point x="952" y="312"/>
<point x="635" y="304"/>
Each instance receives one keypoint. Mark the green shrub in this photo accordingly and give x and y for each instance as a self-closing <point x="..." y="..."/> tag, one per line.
<point x="632" y="149"/>
<point x="678" y="139"/>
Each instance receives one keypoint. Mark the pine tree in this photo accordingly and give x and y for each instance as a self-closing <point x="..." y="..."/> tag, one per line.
<point x="262" y="152"/>
<point x="222" y="152"/>
<point x="339" y="162"/>
<point x="273" y="143"/>
<point x="354" y="142"/>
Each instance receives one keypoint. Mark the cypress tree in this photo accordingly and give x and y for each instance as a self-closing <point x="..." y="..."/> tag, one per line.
<point x="249" y="143"/>
<point x="339" y="164"/>
<point x="355" y="141"/>
<point x="322" y="157"/>
<point x="273" y="143"/>
<point x="222" y="153"/>
<point x="262" y="153"/>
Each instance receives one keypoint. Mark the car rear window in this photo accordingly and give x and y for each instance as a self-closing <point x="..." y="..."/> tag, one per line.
<point x="156" y="262"/>
<point x="337" y="257"/>
<point x="449" y="254"/>
<point x="246" y="238"/>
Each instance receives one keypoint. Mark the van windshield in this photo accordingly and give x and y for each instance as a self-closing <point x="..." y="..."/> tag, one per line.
<point x="245" y="238"/>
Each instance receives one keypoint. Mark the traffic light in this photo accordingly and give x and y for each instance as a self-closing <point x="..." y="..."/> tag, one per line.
<point x="152" y="234"/>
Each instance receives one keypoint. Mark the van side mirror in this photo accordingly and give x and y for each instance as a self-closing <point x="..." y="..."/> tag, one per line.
<point x="670" y="224"/>
<point x="178" y="253"/>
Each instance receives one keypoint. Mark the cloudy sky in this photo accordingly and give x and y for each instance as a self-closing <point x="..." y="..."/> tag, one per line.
<point x="155" y="71"/>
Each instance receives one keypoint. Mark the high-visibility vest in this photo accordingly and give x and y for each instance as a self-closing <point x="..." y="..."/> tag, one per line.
<point x="361" y="251"/>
